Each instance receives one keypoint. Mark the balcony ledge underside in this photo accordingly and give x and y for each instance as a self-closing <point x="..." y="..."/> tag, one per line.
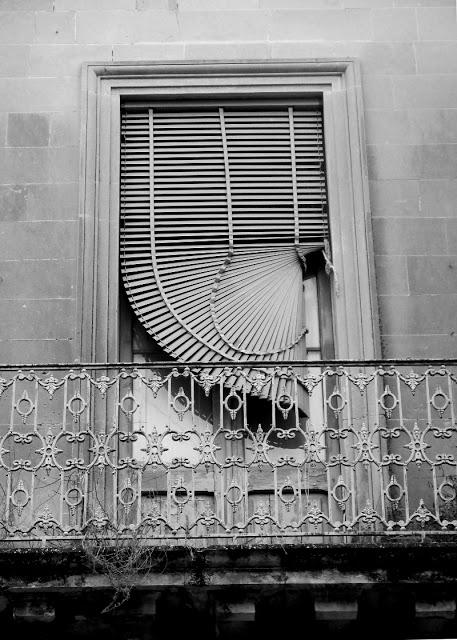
<point x="354" y="568"/>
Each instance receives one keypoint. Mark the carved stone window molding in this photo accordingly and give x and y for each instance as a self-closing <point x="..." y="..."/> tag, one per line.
<point x="354" y="305"/>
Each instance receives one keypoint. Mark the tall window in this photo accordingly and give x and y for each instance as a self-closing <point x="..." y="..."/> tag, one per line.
<point x="222" y="232"/>
<point x="223" y="209"/>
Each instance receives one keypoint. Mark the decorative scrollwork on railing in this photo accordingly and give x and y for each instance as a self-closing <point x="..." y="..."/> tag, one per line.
<point x="205" y="454"/>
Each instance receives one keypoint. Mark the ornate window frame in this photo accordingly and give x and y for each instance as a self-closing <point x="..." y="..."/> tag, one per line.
<point x="354" y="301"/>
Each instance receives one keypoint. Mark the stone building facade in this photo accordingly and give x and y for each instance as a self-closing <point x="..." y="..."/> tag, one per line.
<point x="404" y="54"/>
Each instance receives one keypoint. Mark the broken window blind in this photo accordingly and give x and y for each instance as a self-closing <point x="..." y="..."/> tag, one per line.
<point x="219" y="207"/>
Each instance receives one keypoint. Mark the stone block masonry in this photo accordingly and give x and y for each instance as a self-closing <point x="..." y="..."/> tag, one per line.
<point x="407" y="51"/>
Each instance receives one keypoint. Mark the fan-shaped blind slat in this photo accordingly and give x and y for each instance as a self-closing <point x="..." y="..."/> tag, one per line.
<point x="219" y="205"/>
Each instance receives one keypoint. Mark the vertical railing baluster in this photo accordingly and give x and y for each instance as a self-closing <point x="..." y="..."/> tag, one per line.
<point x="114" y="427"/>
<point x="354" y="495"/>
<point x="193" y="516"/>
<point x="8" y="498"/>
<point x="65" y="478"/>
<point x="400" y="399"/>
<point x="405" y="484"/>
<point x="9" y="472"/>
<point x="383" y="498"/>
<point x="435" y="494"/>
<point x="223" y="500"/>
<point x="139" y="500"/>
<point x="275" y="493"/>
<point x="428" y="396"/>
<point x="61" y="494"/>
<point x="86" y="512"/>
<point x="88" y="425"/>
<point x="246" y="496"/>
<point x="451" y="398"/>
<point x="300" y="512"/>
<point x="168" y="497"/>
<point x="222" y="507"/>
<point x="32" y="494"/>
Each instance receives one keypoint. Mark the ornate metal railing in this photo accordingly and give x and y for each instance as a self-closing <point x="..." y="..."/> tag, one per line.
<point x="293" y="452"/>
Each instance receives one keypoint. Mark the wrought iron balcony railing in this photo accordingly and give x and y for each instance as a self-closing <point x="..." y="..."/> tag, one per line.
<point x="164" y="452"/>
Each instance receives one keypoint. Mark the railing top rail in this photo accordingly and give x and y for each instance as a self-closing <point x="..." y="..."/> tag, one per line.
<point x="167" y="364"/>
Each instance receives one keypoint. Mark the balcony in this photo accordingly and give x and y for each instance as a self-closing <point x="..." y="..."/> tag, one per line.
<point x="173" y="454"/>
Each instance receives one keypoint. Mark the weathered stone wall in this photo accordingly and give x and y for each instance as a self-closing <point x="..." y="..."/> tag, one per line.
<point x="408" y="54"/>
<point x="354" y="591"/>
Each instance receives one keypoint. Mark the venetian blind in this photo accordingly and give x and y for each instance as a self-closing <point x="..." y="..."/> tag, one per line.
<point x="219" y="207"/>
